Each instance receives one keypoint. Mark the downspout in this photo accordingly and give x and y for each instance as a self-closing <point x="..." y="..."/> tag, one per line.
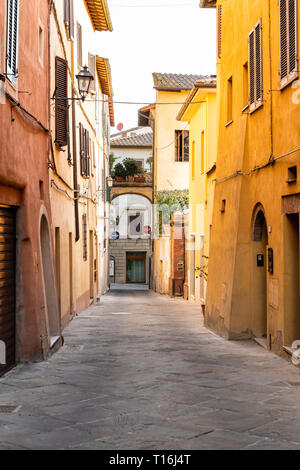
<point x="75" y="176"/>
<point x="271" y="87"/>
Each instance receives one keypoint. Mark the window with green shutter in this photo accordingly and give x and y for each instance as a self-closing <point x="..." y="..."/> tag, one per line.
<point x="12" y="40"/>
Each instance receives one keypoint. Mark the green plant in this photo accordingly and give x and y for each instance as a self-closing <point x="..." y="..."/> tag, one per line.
<point x="112" y="161"/>
<point x="169" y="202"/>
<point x="131" y="166"/>
<point x="120" y="170"/>
<point x="150" y="162"/>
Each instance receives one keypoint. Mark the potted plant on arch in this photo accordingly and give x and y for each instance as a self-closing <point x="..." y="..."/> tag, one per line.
<point x="120" y="172"/>
<point x="132" y="168"/>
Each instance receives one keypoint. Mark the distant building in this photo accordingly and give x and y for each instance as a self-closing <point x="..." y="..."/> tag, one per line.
<point x="170" y="159"/>
<point x="131" y="210"/>
<point x="133" y="143"/>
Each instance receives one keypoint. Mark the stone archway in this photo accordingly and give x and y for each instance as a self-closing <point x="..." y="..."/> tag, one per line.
<point x="51" y="305"/>
<point x="259" y="272"/>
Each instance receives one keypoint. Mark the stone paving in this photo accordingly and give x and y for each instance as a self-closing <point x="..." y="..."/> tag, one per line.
<point x="139" y="371"/>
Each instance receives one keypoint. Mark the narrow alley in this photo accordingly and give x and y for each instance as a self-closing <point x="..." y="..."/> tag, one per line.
<point x="140" y="371"/>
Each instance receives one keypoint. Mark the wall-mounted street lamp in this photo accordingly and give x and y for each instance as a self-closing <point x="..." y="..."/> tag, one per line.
<point x="84" y="79"/>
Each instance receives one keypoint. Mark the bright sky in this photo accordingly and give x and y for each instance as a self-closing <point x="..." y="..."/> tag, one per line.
<point x="167" y="36"/>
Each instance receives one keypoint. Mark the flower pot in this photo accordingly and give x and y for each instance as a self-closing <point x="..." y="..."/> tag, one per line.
<point x="130" y="179"/>
<point x="140" y="179"/>
<point x="120" y="179"/>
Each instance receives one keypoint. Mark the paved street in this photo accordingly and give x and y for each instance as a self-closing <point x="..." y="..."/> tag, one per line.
<point x="139" y="371"/>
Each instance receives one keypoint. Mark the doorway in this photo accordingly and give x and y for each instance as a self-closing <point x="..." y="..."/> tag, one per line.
<point x="136" y="268"/>
<point x="292" y="279"/>
<point x="49" y="282"/>
<point x="259" y="274"/>
<point x="7" y="288"/>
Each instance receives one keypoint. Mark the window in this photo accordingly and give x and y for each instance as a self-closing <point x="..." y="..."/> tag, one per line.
<point x="136" y="224"/>
<point x="61" y="104"/>
<point x="84" y="237"/>
<point x="84" y="149"/>
<point x="292" y="174"/>
<point x="79" y="45"/>
<point x="202" y="151"/>
<point x="219" y="31"/>
<point x="84" y="146"/>
<point x="245" y="85"/>
<point x="41" y="45"/>
<point x="229" y="100"/>
<point x="12" y="40"/>
<point x="193" y="160"/>
<point x="255" y="67"/>
<point x="140" y="163"/>
<point x="288" y="14"/>
<point x="69" y="18"/>
<point x="92" y="69"/>
<point x="182" y="146"/>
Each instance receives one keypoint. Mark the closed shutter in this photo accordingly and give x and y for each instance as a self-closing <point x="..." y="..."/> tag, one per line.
<point x="87" y="154"/>
<point x="219" y="31"/>
<point x="255" y="67"/>
<point x="288" y="13"/>
<point x="7" y="283"/>
<point x="92" y="69"/>
<point x="81" y="147"/>
<point x="79" y="45"/>
<point x="12" y="40"/>
<point x="61" y="103"/>
<point x="258" y="63"/>
<point x="69" y="18"/>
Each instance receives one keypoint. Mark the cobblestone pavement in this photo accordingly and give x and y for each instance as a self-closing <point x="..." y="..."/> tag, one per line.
<point x="139" y="371"/>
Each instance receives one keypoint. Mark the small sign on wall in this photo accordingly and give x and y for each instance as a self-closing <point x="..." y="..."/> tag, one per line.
<point x="111" y="267"/>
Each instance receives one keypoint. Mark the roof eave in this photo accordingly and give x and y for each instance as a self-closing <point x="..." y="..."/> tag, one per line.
<point x="190" y="98"/>
<point x="208" y="3"/>
<point x="104" y="76"/>
<point x="99" y="14"/>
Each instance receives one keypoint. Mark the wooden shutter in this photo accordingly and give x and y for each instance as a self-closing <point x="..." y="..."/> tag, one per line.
<point x="92" y="69"/>
<point x="12" y="40"/>
<point x="87" y="153"/>
<point x="69" y="18"/>
<point x="186" y="146"/>
<point x="219" y="31"/>
<point x="61" y="104"/>
<point x="255" y="67"/>
<point x="288" y="14"/>
<point x="258" y="63"/>
<point x="251" y="69"/>
<point x="81" y="147"/>
<point x="79" y="45"/>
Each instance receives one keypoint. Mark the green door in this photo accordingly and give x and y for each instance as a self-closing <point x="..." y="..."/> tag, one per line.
<point x="136" y="268"/>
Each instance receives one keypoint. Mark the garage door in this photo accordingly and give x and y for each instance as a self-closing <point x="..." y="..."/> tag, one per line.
<point x="7" y="286"/>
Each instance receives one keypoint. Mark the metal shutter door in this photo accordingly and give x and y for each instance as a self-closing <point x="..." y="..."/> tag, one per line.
<point x="7" y="283"/>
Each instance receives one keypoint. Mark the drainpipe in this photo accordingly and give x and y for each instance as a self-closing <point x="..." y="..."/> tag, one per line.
<point x="271" y="86"/>
<point x="75" y="177"/>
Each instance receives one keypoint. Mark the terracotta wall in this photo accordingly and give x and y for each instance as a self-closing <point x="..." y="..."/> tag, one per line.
<point x="24" y="170"/>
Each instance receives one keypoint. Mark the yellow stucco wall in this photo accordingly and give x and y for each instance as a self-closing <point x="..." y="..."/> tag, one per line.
<point x="202" y="117"/>
<point x="239" y="292"/>
<point x="74" y="275"/>
<point x="169" y="174"/>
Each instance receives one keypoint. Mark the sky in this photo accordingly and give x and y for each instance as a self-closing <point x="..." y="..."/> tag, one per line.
<point x="167" y="36"/>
